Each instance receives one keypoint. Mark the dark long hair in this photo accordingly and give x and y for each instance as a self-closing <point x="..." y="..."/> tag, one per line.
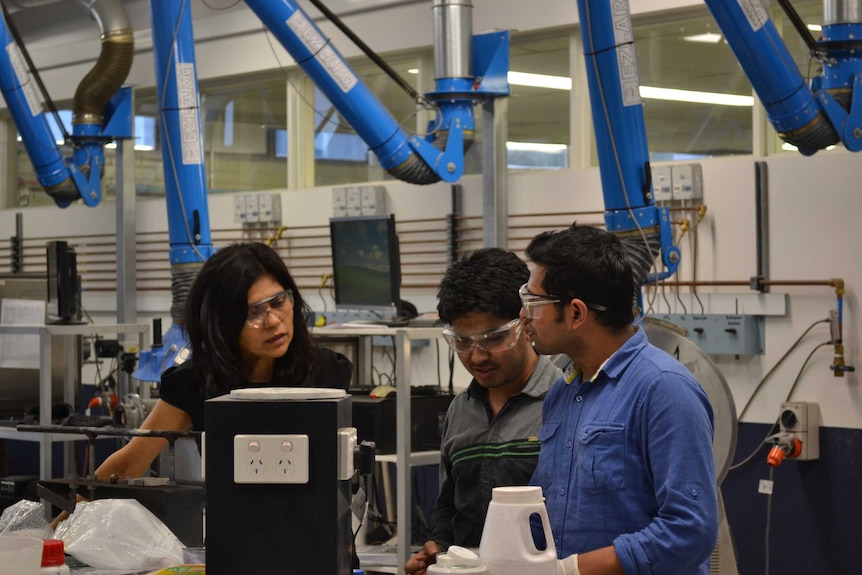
<point x="485" y="281"/>
<point x="216" y="311"/>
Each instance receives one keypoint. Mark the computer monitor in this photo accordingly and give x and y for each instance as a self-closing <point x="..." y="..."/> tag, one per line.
<point x="366" y="264"/>
<point x="63" y="283"/>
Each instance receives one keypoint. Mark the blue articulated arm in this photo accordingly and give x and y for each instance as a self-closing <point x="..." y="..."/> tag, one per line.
<point x="809" y="117"/>
<point x="180" y="123"/>
<point x="100" y="114"/>
<point x="185" y="177"/>
<point x="618" y="120"/>
<point x="409" y="158"/>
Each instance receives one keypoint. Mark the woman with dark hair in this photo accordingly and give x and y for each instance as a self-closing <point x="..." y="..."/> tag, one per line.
<point x="246" y="324"/>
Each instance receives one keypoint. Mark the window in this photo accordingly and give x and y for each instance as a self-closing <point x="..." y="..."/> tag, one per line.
<point x="690" y="55"/>
<point x="539" y="104"/>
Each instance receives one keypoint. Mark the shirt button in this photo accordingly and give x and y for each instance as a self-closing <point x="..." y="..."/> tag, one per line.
<point x="569" y="444"/>
<point x="562" y="491"/>
<point x="579" y="398"/>
<point x="694" y="492"/>
<point x="584" y="435"/>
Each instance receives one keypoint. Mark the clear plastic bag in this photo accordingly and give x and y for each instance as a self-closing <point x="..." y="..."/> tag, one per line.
<point x="25" y="518"/>
<point x="119" y="534"/>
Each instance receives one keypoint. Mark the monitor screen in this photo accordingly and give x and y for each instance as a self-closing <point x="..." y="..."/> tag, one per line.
<point x="62" y="301"/>
<point x="366" y="264"/>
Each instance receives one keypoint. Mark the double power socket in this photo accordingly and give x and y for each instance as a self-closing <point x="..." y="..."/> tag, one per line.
<point x="802" y="418"/>
<point x="285" y="458"/>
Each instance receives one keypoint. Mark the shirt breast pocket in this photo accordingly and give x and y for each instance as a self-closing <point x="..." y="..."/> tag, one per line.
<point x="544" y="474"/>
<point x="602" y="457"/>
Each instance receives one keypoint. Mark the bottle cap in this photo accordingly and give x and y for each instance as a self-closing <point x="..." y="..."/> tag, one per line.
<point x="517" y="494"/>
<point x="53" y="553"/>
<point x="462" y="556"/>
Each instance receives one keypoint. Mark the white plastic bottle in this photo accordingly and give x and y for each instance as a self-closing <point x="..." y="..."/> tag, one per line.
<point x="507" y="546"/>
<point x="53" y="558"/>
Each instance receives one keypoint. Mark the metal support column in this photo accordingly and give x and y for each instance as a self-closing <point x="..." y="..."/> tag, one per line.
<point x="127" y="263"/>
<point x="495" y="173"/>
<point x="402" y="447"/>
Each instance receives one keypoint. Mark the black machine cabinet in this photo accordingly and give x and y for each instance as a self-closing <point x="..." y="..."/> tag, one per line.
<point x="271" y="529"/>
<point x="374" y="420"/>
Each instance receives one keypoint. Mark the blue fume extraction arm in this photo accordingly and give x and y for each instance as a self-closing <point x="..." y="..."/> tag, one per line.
<point x="810" y="117"/>
<point x="462" y="78"/>
<point x="99" y="114"/>
<point x="185" y="177"/>
<point x="467" y="69"/>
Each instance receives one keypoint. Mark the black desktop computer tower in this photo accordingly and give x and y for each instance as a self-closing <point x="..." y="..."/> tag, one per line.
<point x="268" y="528"/>
<point x="374" y="420"/>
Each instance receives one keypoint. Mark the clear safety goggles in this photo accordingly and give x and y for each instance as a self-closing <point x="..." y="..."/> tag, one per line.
<point x="258" y="312"/>
<point x="497" y="339"/>
<point x="533" y="302"/>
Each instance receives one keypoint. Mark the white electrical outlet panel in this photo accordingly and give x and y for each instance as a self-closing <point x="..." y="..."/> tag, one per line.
<point x="339" y="202"/>
<point x="354" y="201"/>
<point x="269" y="207"/>
<point x="252" y="209"/>
<point x="802" y="418"/>
<point x="346" y="450"/>
<point x="239" y="209"/>
<point x="687" y="182"/>
<point x="373" y="200"/>
<point x="662" y="185"/>
<point x="268" y="459"/>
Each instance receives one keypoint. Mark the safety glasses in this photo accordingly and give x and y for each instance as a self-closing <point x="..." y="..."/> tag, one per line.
<point x="533" y="302"/>
<point x="494" y="340"/>
<point x="258" y="312"/>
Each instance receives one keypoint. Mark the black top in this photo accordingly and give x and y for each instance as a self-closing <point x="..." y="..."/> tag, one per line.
<point x="179" y="389"/>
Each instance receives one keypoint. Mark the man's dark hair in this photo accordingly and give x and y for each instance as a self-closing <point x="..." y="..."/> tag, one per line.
<point x="216" y="311"/>
<point x="485" y="281"/>
<point x="590" y="264"/>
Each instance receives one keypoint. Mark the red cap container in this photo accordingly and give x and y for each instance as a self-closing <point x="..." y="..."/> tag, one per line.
<point x="53" y="553"/>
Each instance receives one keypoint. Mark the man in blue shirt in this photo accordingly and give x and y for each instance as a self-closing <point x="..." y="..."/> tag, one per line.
<point x="626" y="461"/>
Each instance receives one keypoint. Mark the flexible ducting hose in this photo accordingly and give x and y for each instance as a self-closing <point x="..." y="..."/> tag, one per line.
<point x="641" y="255"/>
<point x="182" y="278"/>
<point x="113" y="65"/>
<point x="818" y="134"/>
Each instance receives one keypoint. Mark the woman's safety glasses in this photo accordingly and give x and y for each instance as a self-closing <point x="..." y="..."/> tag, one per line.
<point x="497" y="339"/>
<point x="258" y="312"/>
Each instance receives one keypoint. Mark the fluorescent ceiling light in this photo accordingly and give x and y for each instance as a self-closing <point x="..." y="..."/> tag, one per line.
<point x="536" y="147"/>
<point x="652" y="93"/>
<point x="707" y="38"/>
<point x="138" y="147"/>
<point x="531" y="80"/>
<point x="540" y="81"/>
<point x="791" y="148"/>
<point x="647" y="92"/>
<point x="815" y="27"/>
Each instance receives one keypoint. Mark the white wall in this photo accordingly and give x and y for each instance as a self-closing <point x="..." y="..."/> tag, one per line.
<point x="813" y="201"/>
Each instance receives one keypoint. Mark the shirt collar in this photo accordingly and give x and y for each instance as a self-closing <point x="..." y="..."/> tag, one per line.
<point x="616" y="363"/>
<point x="536" y="386"/>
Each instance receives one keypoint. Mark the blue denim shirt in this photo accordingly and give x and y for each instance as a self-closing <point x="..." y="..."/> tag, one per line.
<point x="626" y="460"/>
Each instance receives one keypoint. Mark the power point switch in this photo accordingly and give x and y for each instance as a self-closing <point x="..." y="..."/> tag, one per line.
<point x="346" y="449"/>
<point x="268" y="459"/>
<point x="788" y="419"/>
<point x="802" y="418"/>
